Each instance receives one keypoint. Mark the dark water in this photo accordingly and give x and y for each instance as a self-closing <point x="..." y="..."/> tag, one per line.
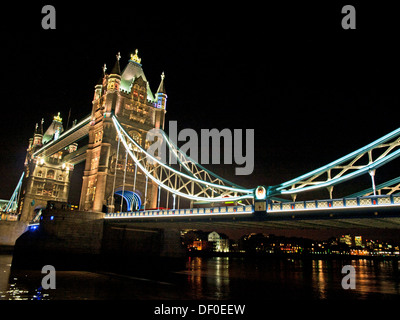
<point x="213" y="278"/>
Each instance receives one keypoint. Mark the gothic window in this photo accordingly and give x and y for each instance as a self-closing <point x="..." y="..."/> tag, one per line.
<point x="98" y="136"/>
<point x="50" y="174"/>
<point x="111" y="85"/>
<point x="40" y="173"/>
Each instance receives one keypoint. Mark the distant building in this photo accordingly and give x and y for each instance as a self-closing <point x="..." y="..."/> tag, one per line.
<point x="358" y="241"/>
<point x="345" y="238"/>
<point x="220" y="242"/>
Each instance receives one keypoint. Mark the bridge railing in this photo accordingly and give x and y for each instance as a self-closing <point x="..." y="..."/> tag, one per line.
<point x="361" y="202"/>
<point x="182" y="212"/>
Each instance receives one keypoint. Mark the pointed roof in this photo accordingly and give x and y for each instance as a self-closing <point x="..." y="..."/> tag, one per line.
<point x="41" y="126"/>
<point x="132" y="71"/>
<point x="55" y="126"/>
<point x="161" y="87"/>
<point x="116" y="69"/>
<point x="100" y="81"/>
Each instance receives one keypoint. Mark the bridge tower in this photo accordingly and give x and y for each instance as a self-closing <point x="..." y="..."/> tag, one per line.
<point x="108" y="171"/>
<point x="46" y="178"/>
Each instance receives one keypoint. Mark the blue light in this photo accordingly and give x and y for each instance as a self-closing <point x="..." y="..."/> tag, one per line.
<point x="51" y="217"/>
<point x="131" y="198"/>
<point x="33" y="228"/>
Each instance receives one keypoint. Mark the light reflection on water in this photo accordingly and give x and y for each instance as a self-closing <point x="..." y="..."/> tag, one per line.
<point x="214" y="278"/>
<point x="228" y="278"/>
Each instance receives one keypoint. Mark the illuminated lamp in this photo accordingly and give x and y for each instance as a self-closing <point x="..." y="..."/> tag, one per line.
<point x="260" y="200"/>
<point x="261" y="193"/>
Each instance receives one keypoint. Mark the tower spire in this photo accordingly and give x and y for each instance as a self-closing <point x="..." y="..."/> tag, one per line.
<point x="161" y="87"/>
<point x="161" y="94"/>
<point x="116" y="69"/>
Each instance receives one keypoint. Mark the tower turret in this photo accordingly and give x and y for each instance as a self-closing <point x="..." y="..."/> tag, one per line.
<point x="38" y="135"/>
<point x="161" y="94"/>
<point x="161" y="104"/>
<point x="114" y="79"/>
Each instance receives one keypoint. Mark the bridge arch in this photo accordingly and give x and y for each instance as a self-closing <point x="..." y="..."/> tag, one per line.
<point x="132" y="199"/>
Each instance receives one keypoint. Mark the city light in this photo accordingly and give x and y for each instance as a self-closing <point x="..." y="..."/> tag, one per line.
<point x="201" y="242"/>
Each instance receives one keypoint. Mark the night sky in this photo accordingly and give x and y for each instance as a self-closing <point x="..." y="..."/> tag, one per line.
<point x="312" y="91"/>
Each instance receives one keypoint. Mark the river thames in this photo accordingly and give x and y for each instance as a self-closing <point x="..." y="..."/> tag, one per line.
<point x="213" y="278"/>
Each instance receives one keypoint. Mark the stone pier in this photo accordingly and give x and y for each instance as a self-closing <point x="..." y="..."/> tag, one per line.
<point x="85" y="240"/>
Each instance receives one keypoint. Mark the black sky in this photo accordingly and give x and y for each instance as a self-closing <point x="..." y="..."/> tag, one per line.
<point x="312" y="91"/>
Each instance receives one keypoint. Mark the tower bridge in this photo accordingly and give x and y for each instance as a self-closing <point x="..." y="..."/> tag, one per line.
<point x="120" y="216"/>
<point x="111" y="142"/>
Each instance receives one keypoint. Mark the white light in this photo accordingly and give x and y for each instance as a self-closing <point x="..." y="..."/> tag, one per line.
<point x="261" y="193"/>
<point x="121" y="130"/>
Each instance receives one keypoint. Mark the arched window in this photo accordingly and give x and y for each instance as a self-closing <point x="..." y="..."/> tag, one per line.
<point x="50" y="174"/>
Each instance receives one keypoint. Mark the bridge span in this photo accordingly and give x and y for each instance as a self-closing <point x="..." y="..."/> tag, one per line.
<point x="359" y="212"/>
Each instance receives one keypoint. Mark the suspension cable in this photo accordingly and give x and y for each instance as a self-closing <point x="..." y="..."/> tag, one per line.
<point x="121" y="132"/>
<point x="115" y="174"/>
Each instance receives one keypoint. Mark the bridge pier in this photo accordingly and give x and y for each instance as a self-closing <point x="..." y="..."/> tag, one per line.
<point x="131" y="247"/>
<point x="10" y="231"/>
<point x="85" y="240"/>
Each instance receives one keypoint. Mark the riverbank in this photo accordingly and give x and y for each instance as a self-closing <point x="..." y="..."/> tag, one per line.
<point x="307" y="256"/>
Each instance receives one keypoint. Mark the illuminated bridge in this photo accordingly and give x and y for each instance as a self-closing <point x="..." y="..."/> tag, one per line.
<point x="123" y="179"/>
<point x="377" y="206"/>
<point x="261" y="206"/>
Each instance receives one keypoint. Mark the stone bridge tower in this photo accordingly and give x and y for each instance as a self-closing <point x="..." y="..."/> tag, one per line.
<point x="47" y="178"/>
<point x="127" y="94"/>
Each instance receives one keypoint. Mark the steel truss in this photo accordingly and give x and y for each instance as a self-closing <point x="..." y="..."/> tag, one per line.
<point x="15" y="196"/>
<point x="361" y="161"/>
<point x="387" y="188"/>
<point x="198" y="185"/>
<point x="193" y="168"/>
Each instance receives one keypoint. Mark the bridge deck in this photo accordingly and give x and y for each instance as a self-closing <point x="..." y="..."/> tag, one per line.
<point x="369" y="212"/>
